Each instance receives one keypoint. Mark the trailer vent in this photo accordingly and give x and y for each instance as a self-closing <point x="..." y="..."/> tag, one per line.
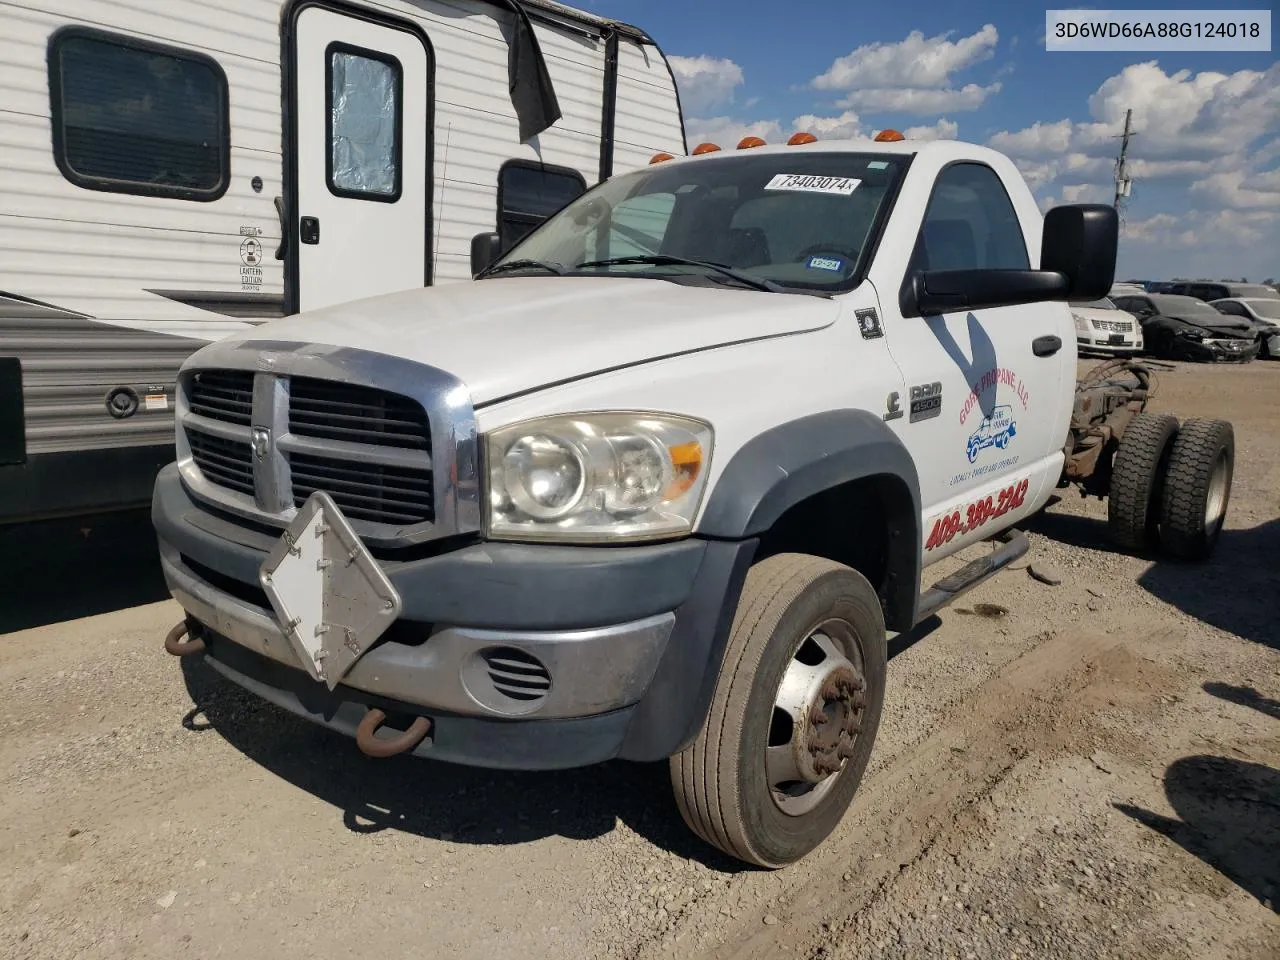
<point x="228" y="463"/>
<point x="225" y="395"/>
<point x="329" y="410"/>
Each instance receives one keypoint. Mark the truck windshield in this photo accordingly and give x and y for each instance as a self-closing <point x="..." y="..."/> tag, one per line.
<point x="797" y="220"/>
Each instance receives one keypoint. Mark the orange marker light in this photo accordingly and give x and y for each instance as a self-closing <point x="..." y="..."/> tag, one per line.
<point x="660" y="157"/>
<point x="686" y="458"/>
<point x="746" y="143"/>
<point x="889" y="136"/>
<point x="702" y="148"/>
<point x="799" y="138"/>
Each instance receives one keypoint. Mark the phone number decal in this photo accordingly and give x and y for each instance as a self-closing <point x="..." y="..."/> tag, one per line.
<point x="976" y="514"/>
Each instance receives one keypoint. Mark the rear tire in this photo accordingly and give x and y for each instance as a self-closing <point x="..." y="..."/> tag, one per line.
<point x="802" y="624"/>
<point x="1197" y="488"/>
<point x="1133" y="505"/>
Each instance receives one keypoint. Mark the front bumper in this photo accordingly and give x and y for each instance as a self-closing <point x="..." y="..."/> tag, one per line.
<point x="1221" y="351"/>
<point x="629" y="638"/>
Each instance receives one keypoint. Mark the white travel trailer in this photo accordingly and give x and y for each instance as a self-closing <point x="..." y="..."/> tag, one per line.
<point x="174" y="172"/>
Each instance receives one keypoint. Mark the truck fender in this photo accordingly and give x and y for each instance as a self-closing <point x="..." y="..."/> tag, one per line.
<point x="796" y="460"/>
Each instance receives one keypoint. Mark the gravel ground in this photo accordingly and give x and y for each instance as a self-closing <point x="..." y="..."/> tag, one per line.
<point x="1095" y="772"/>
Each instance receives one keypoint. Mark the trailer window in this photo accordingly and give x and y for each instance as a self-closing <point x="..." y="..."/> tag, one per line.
<point x="130" y="116"/>
<point x="364" y="118"/>
<point x="528" y="193"/>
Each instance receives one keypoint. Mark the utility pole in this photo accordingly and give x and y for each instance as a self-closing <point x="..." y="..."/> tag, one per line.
<point x="1124" y="183"/>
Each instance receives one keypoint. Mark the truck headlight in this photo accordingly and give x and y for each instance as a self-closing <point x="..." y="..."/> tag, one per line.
<point x="596" y="476"/>
<point x="1082" y="325"/>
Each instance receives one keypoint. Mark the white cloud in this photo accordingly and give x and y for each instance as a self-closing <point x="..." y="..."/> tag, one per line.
<point x="847" y="126"/>
<point x="912" y="75"/>
<point x="1157" y="228"/>
<point x="1241" y="189"/>
<point x="705" y="82"/>
<point x="944" y="129"/>
<point x="727" y="132"/>
<point x="917" y="61"/>
<point x="1085" y="193"/>
<point x="919" y="100"/>
<point x="1179" y="117"/>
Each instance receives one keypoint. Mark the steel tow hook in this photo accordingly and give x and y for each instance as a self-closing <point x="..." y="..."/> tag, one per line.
<point x="373" y="746"/>
<point x="175" y="643"/>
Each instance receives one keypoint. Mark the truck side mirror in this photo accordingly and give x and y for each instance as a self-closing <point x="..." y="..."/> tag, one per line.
<point x="1079" y="241"/>
<point x="486" y="248"/>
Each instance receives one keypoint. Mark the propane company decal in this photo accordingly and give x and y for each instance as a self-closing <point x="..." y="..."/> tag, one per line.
<point x="997" y="429"/>
<point x="976" y="514"/>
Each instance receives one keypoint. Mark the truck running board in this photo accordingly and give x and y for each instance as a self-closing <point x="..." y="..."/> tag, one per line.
<point x="971" y="574"/>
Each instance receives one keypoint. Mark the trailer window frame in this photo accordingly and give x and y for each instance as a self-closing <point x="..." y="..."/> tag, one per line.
<point x="143" y="188"/>
<point x="397" y="145"/>
<point x="511" y="220"/>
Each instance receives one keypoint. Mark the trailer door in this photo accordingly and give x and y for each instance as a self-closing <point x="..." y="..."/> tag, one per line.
<point x="361" y="153"/>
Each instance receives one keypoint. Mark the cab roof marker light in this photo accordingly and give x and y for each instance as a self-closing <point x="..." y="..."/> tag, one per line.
<point x="801" y="138"/>
<point x="746" y="143"/>
<point x="702" y="148"/>
<point x="889" y="136"/>
<point x="661" y="158"/>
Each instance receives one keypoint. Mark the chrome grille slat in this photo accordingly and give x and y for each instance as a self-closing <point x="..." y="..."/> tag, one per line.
<point x="225" y="395"/>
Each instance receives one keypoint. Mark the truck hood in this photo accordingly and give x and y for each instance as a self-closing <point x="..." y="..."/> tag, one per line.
<point x="507" y="336"/>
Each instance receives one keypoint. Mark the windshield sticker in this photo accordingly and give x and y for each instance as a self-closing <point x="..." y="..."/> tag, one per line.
<point x="877" y="165"/>
<point x="834" y="264"/>
<point x="804" y="183"/>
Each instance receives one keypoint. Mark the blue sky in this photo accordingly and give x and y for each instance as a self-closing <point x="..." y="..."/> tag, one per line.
<point x="1206" y="162"/>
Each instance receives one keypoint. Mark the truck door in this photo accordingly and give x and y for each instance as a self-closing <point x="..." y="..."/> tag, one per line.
<point x="360" y="158"/>
<point x="985" y="419"/>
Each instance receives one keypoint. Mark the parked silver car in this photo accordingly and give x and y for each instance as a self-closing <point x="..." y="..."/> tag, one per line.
<point x="1263" y="313"/>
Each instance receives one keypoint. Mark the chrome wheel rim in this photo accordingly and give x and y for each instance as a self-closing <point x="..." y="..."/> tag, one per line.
<point x="1215" y="504"/>
<point x="817" y="716"/>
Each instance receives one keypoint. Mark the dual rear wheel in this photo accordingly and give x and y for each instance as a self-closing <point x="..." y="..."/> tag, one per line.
<point x="1170" y="485"/>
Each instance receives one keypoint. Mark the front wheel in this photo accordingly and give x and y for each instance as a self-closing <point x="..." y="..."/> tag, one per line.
<point x="794" y="715"/>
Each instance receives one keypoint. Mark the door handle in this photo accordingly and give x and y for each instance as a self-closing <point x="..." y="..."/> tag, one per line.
<point x="1046" y="346"/>
<point x="284" y="229"/>
<point x="309" y="230"/>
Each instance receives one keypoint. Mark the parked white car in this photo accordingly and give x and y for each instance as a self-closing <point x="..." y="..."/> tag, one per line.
<point x="1263" y="313"/>
<point x="1102" y="327"/>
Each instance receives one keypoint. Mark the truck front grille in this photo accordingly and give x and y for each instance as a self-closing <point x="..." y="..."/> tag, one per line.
<point x="356" y="414"/>
<point x="228" y="463"/>
<point x="225" y="395"/>
<point x="369" y="449"/>
<point x="364" y="491"/>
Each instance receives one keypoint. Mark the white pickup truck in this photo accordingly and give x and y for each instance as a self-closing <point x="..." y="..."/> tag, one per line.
<point x="656" y="483"/>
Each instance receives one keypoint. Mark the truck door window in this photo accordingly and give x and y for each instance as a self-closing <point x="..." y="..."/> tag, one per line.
<point x="528" y="193"/>
<point x="970" y="224"/>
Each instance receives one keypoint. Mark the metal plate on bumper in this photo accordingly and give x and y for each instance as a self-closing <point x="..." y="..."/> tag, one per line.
<point x="328" y="592"/>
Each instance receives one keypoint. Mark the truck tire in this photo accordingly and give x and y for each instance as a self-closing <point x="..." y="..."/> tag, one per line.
<point x="794" y="715"/>
<point x="1133" y="504"/>
<point x="1197" y="488"/>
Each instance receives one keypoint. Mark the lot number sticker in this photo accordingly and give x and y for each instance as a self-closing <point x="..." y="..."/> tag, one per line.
<point x="806" y="183"/>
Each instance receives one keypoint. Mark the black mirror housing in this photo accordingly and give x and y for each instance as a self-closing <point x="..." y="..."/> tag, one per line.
<point x="1079" y="242"/>
<point x="933" y="292"/>
<point x="486" y="248"/>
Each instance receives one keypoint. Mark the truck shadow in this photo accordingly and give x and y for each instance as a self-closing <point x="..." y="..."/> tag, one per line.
<point x="443" y="801"/>
<point x="58" y="570"/>
<point x="450" y="802"/>
<point x="1234" y="590"/>
<point x="1227" y="813"/>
